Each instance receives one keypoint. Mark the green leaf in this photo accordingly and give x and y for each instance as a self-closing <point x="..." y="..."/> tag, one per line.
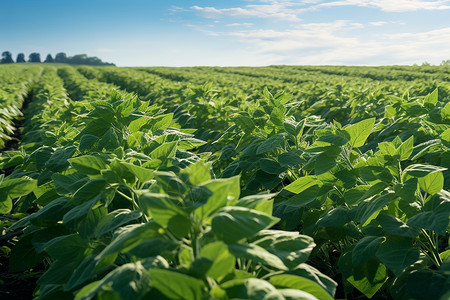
<point x="271" y="143"/>
<point x="128" y="238"/>
<point x="302" y="184"/>
<point x="307" y="271"/>
<point x="367" y="278"/>
<point x="398" y="254"/>
<point x="115" y="219"/>
<point x="17" y="187"/>
<point x="431" y="98"/>
<point x="165" y="211"/>
<point x="365" y="249"/>
<point x="249" y="288"/>
<point x="190" y="143"/>
<point x="165" y="151"/>
<point x="143" y="174"/>
<point x="129" y="281"/>
<point x="23" y="256"/>
<point x="406" y="149"/>
<point x="88" y="164"/>
<point x="256" y="254"/>
<point x="395" y="226"/>
<point x="58" y="160"/>
<point x="299" y="283"/>
<point x="421" y="170"/>
<point x="224" y="192"/>
<point x="232" y="224"/>
<point x="431" y="220"/>
<point x="87" y="141"/>
<point x="176" y="285"/>
<point x="270" y="166"/>
<point x="291" y="247"/>
<point x="326" y="161"/>
<point x="196" y="173"/>
<point x="277" y="117"/>
<point x="223" y="261"/>
<point x="360" y="131"/>
<point x="260" y="202"/>
<point x="290" y="159"/>
<point x="370" y="209"/>
<point x="432" y="183"/>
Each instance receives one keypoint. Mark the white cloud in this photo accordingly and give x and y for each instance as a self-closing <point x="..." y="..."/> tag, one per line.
<point x="383" y="23"/>
<point x="390" y="5"/>
<point x="273" y="10"/>
<point x="335" y="43"/>
<point x="240" y="24"/>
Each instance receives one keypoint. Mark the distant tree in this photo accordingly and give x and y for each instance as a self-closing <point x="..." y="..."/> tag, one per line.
<point x="61" y="57"/>
<point x="445" y="62"/>
<point x="425" y="63"/>
<point x="34" y="57"/>
<point x="20" y="58"/>
<point x="6" y="58"/>
<point x="49" y="59"/>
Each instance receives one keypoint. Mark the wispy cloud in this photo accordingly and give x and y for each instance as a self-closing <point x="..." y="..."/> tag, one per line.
<point x="275" y="10"/>
<point x="240" y="25"/>
<point x="389" y="5"/>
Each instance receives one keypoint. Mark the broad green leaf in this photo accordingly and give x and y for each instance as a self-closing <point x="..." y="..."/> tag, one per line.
<point x="224" y="192"/>
<point x="87" y="141"/>
<point x="359" y="132"/>
<point x="143" y="174"/>
<point x="88" y="164"/>
<point x="300" y="283"/>
<point x="431" y="98"/>
<point x="165" y="211"/>
<point x="58" y="160"/>
<point x="432" y="183"/>
<point x="302" y="184"/>
<point x="129" y="281"/>
<point x="261" y="202"/>
<point x="23" y="256"/>
<point x="165" y="151"/>
<point x="394" y="226"/>
<point x="256" y="254"/>
<point x="196" y="173"/>
<point x="307" y="271"/>
<point x="367" y="278"/>
<point x="88" y="191"/>
<point x="128" y="238"/>
<point x="421" y="170"/>
<point x="365" y="249"/>
<point x="115" y="219"/>
<point x="406" y="149"/>
<point x="190" y="143"/>
<point x="277" y="117"/>
<point x="17" y="187"/>
<point x="223" y="261"/>
<point x="270" y="166"/>
<point x="248" y="288"/>
<point x="291" y="247"/>
<point x="271" y="143"/>
<point x="431" y="220"/>
<point x="397" y="254"/>
<point x="370" y="209"/>
<point x="234" y="223"/>
<point x="175" y="285"/>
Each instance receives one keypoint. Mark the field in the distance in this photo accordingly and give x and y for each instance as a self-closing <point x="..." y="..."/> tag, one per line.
<point x="280" y="182"/>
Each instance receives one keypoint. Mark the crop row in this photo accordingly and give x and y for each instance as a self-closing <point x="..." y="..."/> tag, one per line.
<point x="193" y="190"/>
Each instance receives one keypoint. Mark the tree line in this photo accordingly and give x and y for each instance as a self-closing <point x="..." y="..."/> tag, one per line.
<point x="79" y="59"/>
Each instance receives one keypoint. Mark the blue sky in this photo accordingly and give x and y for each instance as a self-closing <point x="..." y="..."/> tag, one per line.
<point x="232" y="32"/>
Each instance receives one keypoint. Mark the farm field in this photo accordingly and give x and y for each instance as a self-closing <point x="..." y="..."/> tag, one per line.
<point x="279" y="182"/>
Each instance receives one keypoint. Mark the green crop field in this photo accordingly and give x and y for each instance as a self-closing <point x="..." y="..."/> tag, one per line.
<point x="280" y="182"/>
